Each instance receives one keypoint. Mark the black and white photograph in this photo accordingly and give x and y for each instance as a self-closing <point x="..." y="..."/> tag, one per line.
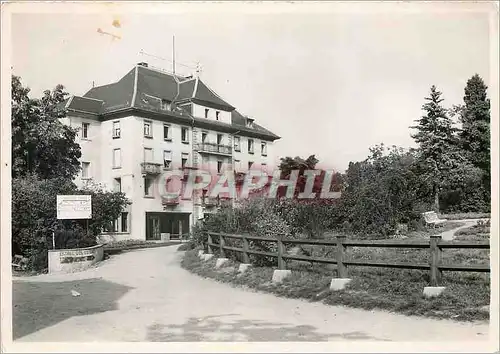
<point x="249" y="176"/>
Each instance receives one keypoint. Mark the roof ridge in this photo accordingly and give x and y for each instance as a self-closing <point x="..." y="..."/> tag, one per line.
<point x="89" y="98"/>
<point x="160" y="71"/>
<point x="215" y="93"/>
<point x="69" y="101"/>
<point x="195" y="89"/>
<point x="134" y="92"/>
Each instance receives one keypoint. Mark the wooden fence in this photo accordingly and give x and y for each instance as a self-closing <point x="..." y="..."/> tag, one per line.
<point x="435" y="246"/>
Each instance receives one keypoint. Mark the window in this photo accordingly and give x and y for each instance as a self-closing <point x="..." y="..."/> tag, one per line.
<point x="184" y="159"/>
<point x="165" y="105"/>
<point x="237" y="165"/>
<point x="115" y="225"/>
<point x="85" y="169"/>
<point x="249" y="123"/>
<point x="148" y="155"/>
<point x="148" y="187"/>
<point x="220" y="138"/>
<point x="124" y="222"/>
<point x="116" y="130"/>
<point x="167" y="159"/>
<point x="184" y="135"/>
<point x="217" y="113"/>
<point x="118" y="185"/>
<point x="250" y="163"/>
<point x="206" y="112"/>
<point x="263" y="148"/>
<point x="147" y="129"/>
<point x="204" y="137"/>
<point x="85" y="130"/>
<point x="205" y="161"/>
<point x="250" y="146"/>
<point x="117" y="158"/>
<point x="237" y="143"/>
<point x="166" y="132"/>
<point x="264" y="167"/>
<point x="219" y="166"/>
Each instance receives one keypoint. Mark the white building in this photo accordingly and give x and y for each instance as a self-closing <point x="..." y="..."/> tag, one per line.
<point x="150" y="121"/>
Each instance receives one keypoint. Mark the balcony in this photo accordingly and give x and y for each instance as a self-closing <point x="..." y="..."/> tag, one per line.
<point x="150" y="168"/>
<point x="216" y="149"/>
<point x="173" y="201"/>
<point x="210" y="202"/>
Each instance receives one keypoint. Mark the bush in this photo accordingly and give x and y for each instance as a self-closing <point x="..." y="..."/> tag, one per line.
<point x="34" y="217"/>
<point x="188" y="246"/>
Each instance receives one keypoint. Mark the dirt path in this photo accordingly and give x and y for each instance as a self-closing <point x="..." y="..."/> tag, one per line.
<point x="450" y="234"/>
<point x="145" y="296"/>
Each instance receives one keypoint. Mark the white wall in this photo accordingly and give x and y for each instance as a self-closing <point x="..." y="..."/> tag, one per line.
<point x="199" y="112"/>
<point x="257" y="158"/>
<point x="98" y="150"/>
<point x="89" y="146"/>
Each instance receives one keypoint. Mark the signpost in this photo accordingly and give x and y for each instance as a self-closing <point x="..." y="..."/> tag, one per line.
<point x="73" y="207"/>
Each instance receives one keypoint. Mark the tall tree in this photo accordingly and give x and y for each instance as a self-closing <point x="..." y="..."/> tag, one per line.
<point x="474" y="115"/>
<point x="438" y="146"/>
<point x="41" y="143"/>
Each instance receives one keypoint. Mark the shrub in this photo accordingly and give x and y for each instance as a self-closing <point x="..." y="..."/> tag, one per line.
<point x="34" y="217"/>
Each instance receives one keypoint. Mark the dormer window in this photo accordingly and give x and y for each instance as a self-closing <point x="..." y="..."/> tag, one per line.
<point x="249" y="123"/>
<point x="165" y="105"/>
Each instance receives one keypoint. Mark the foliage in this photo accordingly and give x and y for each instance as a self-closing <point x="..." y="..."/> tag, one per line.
<point x="439" y="153"/>
<point x="289" y="164"/>
<point x="106" y="206"/>
<point x="382" y="191"/>
<point x="41" y="143"/>
<point x="474" y="115"/>
<point x="34" y="217"/>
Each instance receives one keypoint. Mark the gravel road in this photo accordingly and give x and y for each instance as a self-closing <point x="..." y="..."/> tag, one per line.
<point x="145" y="295"/>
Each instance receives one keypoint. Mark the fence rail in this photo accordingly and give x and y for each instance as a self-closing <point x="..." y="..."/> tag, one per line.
<point x="435" y="245"/>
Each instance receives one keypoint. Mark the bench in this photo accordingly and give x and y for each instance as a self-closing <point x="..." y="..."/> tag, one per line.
<point x="19" y="262"/>
<point x="431" y="218"/>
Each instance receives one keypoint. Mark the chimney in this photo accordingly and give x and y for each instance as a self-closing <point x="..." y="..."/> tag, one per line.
<point x="143" y="64"/>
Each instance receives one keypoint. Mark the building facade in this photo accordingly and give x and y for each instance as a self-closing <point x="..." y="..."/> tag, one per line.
<point x="131" y="132"/>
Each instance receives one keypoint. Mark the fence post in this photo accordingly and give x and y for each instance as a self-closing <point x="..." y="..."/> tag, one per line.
<point x="246" y="258"/>
<point x="435" y="251"/>
<point x="281" y="262"/>
<point x="341" y="267"/>
<point x="221" y="245"/>
<point x="209" y="242"/>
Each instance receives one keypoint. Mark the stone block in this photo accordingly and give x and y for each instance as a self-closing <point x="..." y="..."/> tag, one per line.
<point x="339" y="283"/>
<point x="207" y="257"/>
<point x="244" y="267"/>
<point x="220" y="262"/>
<point x="432" y="291"/>
<point x="280" y="274"/>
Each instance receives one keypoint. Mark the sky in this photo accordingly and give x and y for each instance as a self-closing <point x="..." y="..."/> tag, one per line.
<point x="331" y="81"/>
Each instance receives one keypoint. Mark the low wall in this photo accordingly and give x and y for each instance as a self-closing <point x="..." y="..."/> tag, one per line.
<point x="74" y="260"/>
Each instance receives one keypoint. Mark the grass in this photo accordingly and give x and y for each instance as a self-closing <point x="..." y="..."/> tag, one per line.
<point x="427" y="232"/>
<point x="125" y="245"/>
<point x="461" y="216"/>
<point x="371" y="288"/>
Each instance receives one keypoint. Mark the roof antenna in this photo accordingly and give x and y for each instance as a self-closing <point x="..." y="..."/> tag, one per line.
<point x="198" y="69"/>
<point x="173" y="53"/>
<point x="93" y="84"/>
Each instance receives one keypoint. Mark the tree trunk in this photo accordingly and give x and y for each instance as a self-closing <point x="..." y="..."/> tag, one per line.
<point x="436" y="199"/>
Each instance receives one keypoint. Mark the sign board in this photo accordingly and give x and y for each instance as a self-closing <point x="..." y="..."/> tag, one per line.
<point x="74" y="207"/>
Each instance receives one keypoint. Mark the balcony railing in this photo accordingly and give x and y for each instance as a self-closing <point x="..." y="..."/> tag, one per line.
<point x="151" y="168"/>
<point x="170" y="201"/>
<point x="210" y="202"/>
<point x="212" y="148"/>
